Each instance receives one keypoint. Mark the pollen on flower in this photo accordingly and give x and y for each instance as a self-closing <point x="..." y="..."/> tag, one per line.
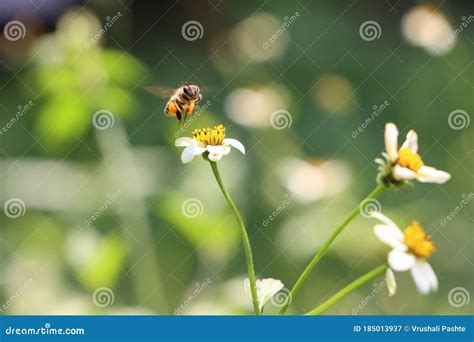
<point x="407" y="158"/>
<point x="210" y="136"/>
<point x="418" y="242"/>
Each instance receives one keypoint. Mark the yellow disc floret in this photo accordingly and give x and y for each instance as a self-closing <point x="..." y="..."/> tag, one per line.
<point x="418" y="242"/>
<point x="210" y="136"/>
<point x="409" y="159"/>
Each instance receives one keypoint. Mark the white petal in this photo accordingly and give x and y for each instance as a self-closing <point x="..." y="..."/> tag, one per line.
<point x="424" y="277"/>
<point x="199" y="148"/>
<point x="432" y="276"/>
<point x="401" y="261"/>
<point x="384" y="219"/>
<point x="184" y="142"/>
<point x="391" y="141"/>
<point x="215" y="152"/>
<point x="390" y="235"/>
<point x="391" y="282"/>
<point x="428" y="174"/>
<point x="266" y="289"/>
<point x="403" y="173"/>
<point x="411" y="141"/>
<point x="234" y="143"/>
<point x="226" y="149"/>
<point x="188" y="154"/>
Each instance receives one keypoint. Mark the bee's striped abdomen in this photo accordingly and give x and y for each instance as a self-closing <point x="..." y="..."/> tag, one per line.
<point x="171" y="108"/>
<point x="190" y="109"/>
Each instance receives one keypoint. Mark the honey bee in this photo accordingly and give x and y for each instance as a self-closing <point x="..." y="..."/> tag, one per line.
<point x="182" y="100"/>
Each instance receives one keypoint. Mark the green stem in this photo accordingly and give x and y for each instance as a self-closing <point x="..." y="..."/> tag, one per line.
<point x="348" y="289"/>
<point x="245" y="239"/>
<point x="374" y="194"/>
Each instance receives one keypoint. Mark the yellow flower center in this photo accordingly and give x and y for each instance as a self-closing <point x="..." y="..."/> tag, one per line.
<point x="210" y="136"/>
<point x="407" y="158"/>
<point x="418" y="242"/>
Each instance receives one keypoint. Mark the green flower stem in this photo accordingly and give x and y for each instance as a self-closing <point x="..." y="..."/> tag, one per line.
<point x="245" y="239"/>
<point x="374" y="194"/>
<point x="348" y="289"/>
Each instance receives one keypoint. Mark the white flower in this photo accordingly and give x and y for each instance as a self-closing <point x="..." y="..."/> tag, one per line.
<point x="211" y="140"/>
<point x="266" y="289"/>
<point x="410" y="249"/>
<point x="405" y="163"/>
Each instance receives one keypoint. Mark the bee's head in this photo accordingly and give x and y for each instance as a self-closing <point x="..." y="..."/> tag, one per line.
<point x="191" y="90"/>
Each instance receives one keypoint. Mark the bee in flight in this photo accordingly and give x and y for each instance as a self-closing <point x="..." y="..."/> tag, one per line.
<point x="182" y="100"/>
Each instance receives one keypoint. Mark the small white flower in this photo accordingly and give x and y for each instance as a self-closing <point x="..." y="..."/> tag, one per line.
<point x="410" y="249"/>
<point x="211" y="140"/>
<point x="266" y="289"/>
<point x="405" y="164"/>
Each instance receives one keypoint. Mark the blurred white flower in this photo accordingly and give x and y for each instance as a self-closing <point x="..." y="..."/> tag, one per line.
<point x="410" y="249"/>
<point x="266" y="289"/>
<point x="253" y="106"/>
<point x="335" y="94"/>
<point x="311" y="180"/>
<point x="427" y="27"/>
<point x="250" y="37"/>
<point x="405" y="164"/>
<point x="210" y="140"/>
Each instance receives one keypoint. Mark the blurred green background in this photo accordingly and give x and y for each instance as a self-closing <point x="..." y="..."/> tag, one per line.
<point x="109" y="221"/>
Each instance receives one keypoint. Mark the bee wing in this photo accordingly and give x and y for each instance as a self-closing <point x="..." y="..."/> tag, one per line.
<point x="159" y="91"/>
